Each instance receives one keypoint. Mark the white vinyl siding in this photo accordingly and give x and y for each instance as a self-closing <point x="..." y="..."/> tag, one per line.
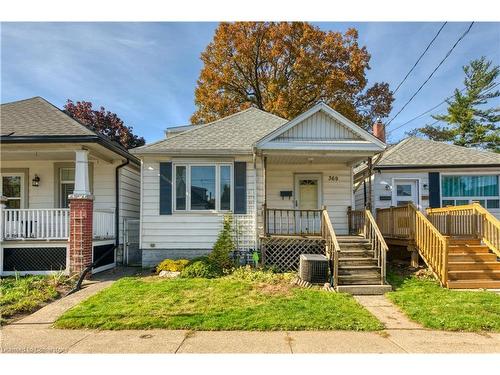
<point x="337" y="195"/>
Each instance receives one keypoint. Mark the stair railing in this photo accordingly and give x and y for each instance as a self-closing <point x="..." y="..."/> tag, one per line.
<point x="468" y="220"/>
<point x="379" y="247"/>
<point x="331" y="244"/>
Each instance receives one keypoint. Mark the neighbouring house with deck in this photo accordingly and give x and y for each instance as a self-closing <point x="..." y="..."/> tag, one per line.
<point x="440" y="201"/>
<point x="287" y="183"/>
<point x="69" y="195"/>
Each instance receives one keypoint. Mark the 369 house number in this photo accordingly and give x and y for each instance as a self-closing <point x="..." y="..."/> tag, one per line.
<point x="333" y="178"/>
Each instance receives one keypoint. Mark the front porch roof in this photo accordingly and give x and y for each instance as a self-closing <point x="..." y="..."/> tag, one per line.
<point x="321" y="129"/>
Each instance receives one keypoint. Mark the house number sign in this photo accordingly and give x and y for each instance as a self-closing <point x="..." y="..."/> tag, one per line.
<point x="333" y="178"/>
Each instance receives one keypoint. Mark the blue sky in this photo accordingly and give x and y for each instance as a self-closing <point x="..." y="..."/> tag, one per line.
<point x="146" y="72"/>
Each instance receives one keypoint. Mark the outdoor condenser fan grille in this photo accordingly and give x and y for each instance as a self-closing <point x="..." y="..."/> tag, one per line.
<point x="313" y="268"/>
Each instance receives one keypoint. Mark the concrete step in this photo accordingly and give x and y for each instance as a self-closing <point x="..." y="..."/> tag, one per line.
<point x="493" y="275"/>
<point x="474" y="284"/>
<point x="467" y="257"/>
<point x="375" y="289"/>
<point x="470" y="266"/>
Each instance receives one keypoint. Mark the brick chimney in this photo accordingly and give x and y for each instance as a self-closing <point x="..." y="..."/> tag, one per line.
<point x="379" y="130"/>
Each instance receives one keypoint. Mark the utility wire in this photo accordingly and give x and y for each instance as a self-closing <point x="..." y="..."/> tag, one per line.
<point x="434" y="71"/>
<point x="420" y="57"/>
<point x="436" y="106"/>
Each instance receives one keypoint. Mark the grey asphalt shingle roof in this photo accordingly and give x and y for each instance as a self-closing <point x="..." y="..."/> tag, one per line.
<point x="235" y="133"/>
<point x="37" y="117"/>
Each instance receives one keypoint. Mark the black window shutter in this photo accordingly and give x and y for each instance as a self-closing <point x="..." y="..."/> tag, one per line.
<point x="434" y="190"/>
<point x="166" y="188"/>
<point x="240" y="187"/>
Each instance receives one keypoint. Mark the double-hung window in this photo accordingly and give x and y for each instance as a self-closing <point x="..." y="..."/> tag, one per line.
<point x="66" y="185"/>
<point x="203" y="187"/>
<point x="458" y="190"/>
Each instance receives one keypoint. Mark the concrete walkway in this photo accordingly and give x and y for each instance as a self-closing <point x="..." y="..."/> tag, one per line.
<point x="34" y="334"/>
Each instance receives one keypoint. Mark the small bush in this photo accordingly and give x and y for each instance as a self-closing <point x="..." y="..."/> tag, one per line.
<point x="220" y="257"/>
<point x="200" y="268"/>
<point x="172" y="265"/>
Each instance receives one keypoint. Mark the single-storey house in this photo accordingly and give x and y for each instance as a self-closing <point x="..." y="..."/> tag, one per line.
<point x="273" y="174"/>
<point x="429" y="174"/>
<point x="50" y="164"/>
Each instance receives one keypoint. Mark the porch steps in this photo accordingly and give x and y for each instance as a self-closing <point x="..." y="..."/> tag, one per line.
<point x="472" y="265"/>
<point x="359" y="272"/>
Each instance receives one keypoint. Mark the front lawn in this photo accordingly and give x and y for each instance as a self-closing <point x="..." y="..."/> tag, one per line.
<point x="25" y="294"/>
<point x="225" y="303"/>
<point x="423" y="300"/>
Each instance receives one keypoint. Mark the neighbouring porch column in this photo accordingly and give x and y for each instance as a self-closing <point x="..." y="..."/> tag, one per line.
<point x="81" y="216"/>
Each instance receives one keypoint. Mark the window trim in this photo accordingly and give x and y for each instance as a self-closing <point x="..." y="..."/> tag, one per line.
<point x="188" y="166"/>
<point x="469" y="199"/>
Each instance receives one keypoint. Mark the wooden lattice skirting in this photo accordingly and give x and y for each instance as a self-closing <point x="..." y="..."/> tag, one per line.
<point x="283" y="252"/>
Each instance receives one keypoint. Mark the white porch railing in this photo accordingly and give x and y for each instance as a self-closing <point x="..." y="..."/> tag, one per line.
<point x="44" y="223"/>
<point x="104" y="224"/>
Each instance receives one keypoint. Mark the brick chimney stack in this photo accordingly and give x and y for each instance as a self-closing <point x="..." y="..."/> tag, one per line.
<point x="379" y="130"/>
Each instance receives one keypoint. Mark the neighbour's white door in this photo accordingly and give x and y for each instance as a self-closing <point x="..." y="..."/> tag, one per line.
<point x="404" y="192"/>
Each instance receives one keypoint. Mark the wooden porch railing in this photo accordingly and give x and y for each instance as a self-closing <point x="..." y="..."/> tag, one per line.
<point x="44" y="223"/>
<point x="355" y="220"/>
<point x="470" y="220"/>
<point x="379" y="247"/>
<point x="281" y="221"/>
<point x="331" y="244"/>
<point x="407" y="222"/>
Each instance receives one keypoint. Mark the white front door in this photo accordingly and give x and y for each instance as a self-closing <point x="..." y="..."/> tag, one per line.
<point x="308" y="191"/>
<point x="404" y="192"/>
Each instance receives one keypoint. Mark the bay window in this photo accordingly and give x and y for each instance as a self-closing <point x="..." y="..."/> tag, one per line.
<point x="463" y="189"/>
<point x="203" y="187"/>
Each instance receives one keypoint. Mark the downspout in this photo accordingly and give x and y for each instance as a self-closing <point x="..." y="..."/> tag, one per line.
<point x="117" y="200"/>
<point x="256" y="213"/>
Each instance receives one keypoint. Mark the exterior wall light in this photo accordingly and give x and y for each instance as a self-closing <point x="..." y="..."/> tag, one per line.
<point x="35" y="181"/>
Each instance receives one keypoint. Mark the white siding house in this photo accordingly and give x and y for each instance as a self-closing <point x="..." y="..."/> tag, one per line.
<point x="251" y="164"/>
<point x="430" y="174"/>
<point x="39" y="145"/>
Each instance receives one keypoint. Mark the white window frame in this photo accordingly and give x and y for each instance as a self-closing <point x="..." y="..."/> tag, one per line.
<point x="188" y="166"/>
<point x="469" y="199"/>
<point x="14" y="174"/>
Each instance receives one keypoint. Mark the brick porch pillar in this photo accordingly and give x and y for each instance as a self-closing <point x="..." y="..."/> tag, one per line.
<point x="80" y="232"/>
<point x="81" y="208"/>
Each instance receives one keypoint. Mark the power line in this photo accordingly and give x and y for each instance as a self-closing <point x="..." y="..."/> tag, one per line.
<point x="434" y="71"/>
<point x="436" y="106"/>
<point x="420" y="57"/>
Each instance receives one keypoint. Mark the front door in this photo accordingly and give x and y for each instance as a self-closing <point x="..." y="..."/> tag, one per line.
<point x="308" y="191"/>
<point x="404" y="192"/>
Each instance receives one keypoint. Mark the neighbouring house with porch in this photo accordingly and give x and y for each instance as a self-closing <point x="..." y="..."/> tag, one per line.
<point x="441" y="202"/>
<point x="287" y="183"/>
<point x="70" y="195"/>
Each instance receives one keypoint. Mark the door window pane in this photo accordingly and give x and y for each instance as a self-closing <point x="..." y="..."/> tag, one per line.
<point x="203" y="187"/>
<point x="13" y="203"/>
<point x="11" y="186"/>
<point x="403" y="190"/>
<point x="180" y="187"/>
<point x="67" y="174"/>
<point x="225" y="187"/>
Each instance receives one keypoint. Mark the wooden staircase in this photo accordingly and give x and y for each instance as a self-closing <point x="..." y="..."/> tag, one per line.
<point x="472" y="265"/>
<point x="359" y="271"/>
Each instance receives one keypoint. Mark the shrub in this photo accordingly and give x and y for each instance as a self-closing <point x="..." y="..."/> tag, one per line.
<point x="200" y="268"/>
<point x="220" y="256"/>
<point x="172" y="265"/>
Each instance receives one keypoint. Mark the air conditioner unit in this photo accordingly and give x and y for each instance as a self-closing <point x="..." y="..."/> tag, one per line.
<point x="313" y="268"/>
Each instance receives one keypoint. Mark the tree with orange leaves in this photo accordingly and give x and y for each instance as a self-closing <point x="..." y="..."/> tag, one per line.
<point x="285" y="68"/>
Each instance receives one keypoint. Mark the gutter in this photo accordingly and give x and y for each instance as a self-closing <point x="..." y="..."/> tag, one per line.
<point x="395" y="167"/>
<point x="117" y="200"/>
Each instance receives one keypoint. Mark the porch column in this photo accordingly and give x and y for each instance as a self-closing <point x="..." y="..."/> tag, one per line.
<point x="80" y="217"/>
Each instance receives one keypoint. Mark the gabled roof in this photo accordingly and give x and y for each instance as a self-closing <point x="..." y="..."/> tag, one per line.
<point x="321" y="127"/>
<point x="236" y="133"/>
<point x="36" y="120"/>
<point x="415" y="153"/>
<point x="38" y="117"/>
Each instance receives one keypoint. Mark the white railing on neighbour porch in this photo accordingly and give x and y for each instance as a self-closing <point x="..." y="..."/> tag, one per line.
<point x="104" y="224"/>
<point x="32" y="223"/>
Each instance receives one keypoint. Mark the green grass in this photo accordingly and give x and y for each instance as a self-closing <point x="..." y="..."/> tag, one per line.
<point x="424" y="301"/>
<point x="225" y="303"/>
<point x="19" y="295"/>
